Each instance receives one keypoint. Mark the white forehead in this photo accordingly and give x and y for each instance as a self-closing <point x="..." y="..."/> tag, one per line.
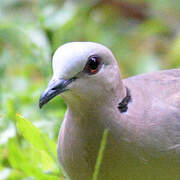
<point x="71" y="58"/>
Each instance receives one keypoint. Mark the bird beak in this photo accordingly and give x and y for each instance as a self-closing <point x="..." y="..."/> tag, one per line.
<point x="54" y="88"/>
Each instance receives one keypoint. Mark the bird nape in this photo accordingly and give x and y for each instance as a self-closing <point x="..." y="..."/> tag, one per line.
<point x="141" y="113"/>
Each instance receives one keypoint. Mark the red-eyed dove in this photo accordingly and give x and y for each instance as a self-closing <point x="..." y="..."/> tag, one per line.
<point x="142" y="114"/>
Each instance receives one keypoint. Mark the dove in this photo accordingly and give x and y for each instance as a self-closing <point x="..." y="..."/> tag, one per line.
<point x="141" y="114"/>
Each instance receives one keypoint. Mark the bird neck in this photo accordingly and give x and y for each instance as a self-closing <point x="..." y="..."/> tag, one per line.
<point x="123" y="104"/>
<point x="92" y="108"/>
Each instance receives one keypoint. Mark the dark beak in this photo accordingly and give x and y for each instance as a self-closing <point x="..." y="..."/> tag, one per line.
<point x="54" y="88"/>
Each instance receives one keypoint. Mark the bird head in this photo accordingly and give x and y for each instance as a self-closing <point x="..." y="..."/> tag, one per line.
<point x="82" y="70"/>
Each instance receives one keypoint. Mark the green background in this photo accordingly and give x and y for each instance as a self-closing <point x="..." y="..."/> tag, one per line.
<point x="144" y="35"/>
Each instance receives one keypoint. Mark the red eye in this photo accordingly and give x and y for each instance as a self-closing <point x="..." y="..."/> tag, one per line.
<point x="92" y="65"/>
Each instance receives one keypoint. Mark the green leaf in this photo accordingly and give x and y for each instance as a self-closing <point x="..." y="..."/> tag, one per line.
<point x="22" y="161"/>
<point x="100" y="154"/>
<point x="35" y="137"/>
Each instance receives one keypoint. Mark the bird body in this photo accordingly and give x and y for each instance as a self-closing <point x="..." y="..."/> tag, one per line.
<point x="143" y="140"/>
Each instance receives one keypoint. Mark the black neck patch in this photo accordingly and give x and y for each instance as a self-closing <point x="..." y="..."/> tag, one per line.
<point x="123" y="105"/>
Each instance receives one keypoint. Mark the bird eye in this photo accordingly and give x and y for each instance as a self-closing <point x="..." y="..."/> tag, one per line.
<point x="93" y="65"/>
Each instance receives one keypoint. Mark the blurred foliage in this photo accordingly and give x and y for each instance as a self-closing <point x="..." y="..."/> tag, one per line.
<point x="143" y="34"/>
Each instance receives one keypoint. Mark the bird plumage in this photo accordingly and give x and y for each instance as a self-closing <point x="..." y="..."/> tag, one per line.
<point x="143" y="141"/>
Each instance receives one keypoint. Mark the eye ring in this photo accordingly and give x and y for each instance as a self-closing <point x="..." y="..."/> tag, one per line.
<point x="93" y="65"/>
